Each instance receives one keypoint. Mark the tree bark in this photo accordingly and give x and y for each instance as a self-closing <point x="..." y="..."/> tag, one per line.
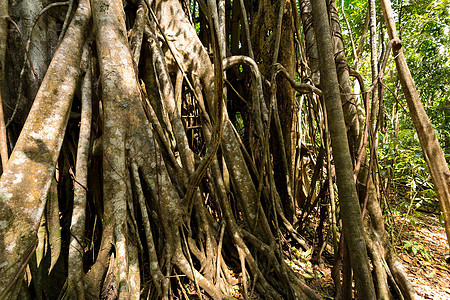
<point x="25" y="183"/>
<point x="3" y="40"/>
<point x="161" y="193"/>
<point x="350" y="210"/>
<point x="352" y="112"/>
<point x="77" y="228"/>
<point x="273" y="37"/>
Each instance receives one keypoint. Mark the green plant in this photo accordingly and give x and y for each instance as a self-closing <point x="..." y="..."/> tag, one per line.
<point x="416" y="248"/>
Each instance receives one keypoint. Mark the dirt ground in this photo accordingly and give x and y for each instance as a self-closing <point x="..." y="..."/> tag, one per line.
<point x="421" y="244"/>
<point x="427" y="267"/>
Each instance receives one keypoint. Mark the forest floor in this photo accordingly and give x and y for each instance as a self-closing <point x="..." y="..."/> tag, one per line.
<point x="421" y="244"/>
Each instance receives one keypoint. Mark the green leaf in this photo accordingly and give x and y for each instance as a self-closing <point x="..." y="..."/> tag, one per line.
<point x="407" y="244"/>
<point x="306" y="253"/>
<point x="308" y="276"/>
<point x="441" y="218"/>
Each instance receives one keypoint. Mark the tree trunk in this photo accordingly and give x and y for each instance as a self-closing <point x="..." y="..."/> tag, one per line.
<point x="25" y="183"/>
<point x="350" y="210"/>
<point x="153" y="191"/>
<point x="3" y="40"/>
<point x="273" y="40"/>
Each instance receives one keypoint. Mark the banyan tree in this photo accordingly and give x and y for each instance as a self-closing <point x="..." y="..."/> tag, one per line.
<point x="173" y="148"/>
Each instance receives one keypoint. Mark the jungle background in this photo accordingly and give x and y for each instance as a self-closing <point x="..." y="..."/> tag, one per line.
<point x="183" y="149"/>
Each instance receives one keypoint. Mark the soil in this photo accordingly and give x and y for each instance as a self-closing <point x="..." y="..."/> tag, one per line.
<point x="421" y="244"/>
<point x="419" y="240"/>
<point x="426" y="266"/>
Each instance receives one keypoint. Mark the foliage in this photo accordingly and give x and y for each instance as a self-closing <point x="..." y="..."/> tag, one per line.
<point x="428" y="54"/>
<point x="416" y="248"/>
<point x="427" y="48"/>
<point x="406" y="167"/>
